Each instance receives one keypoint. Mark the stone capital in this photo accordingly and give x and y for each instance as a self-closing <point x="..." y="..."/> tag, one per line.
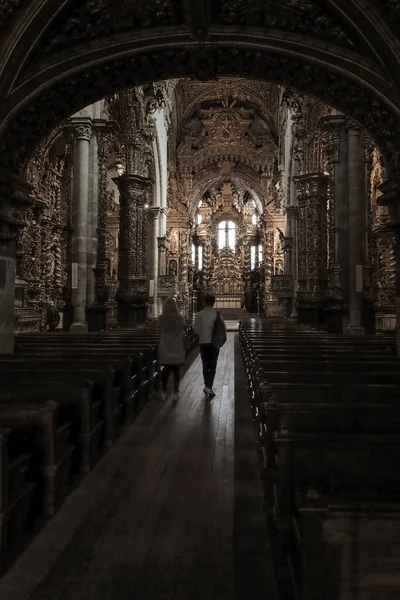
<point x="15" y="198"/>
<point x="82" y="128"/>
<point x="311" y="187"/>
<point x="353" y="128"/>
<point x="154" y="212"/>
<point x="105" y="126"/>
<point x="333" y="122"/>
<point x="133" y="188"/>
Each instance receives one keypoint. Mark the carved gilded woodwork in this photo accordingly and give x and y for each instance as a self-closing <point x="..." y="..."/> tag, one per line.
<point x="85" y="20"/>
<point x="384" y="244"/>
<point x="307" y="18"/>
<point x="311" y="198"/>
<point x="43" y="111"/>
<point x="44" y="245"/>
<point x="106" y="139"/>
<point x="227" y="131"/>
<point x="332" y="127"/>
<point x="137" y="131"/>
<point x="226" y="277"/>
<point x="134" y="192"/>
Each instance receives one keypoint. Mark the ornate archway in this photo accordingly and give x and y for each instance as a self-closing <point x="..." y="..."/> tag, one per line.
<point x="87" y="50"/>
<point x="343" y="54"/>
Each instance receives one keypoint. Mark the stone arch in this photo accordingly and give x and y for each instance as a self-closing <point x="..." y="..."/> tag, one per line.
<point x="48" y="98"/>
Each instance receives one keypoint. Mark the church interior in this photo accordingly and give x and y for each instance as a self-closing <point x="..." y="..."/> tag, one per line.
<point x="169" y="149"/>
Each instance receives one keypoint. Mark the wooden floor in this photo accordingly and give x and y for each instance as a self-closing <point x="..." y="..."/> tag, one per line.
<point x="157" y="518"/>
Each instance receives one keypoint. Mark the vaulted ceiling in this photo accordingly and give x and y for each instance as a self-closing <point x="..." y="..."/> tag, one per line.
<point x="227" y="131"/>
<point x="59" y="55"/>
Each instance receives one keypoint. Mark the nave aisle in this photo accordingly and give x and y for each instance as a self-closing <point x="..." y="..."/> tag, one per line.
<point x="157" y="518"/>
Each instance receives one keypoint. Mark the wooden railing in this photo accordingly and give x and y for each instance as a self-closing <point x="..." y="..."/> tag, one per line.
<point x="230" y="301"/>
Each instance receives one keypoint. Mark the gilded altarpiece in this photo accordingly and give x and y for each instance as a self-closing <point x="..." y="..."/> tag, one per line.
<point x="107" y="206"/>
<point x="312" y="244"/>
<point x="174" y="262"/>
<point x="383" y="254"/>
<point x="43" y="247"/>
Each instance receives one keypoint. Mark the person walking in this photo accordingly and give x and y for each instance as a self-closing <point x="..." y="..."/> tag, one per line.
<point x="171" y="349"/>
<point x="52" y="317"/>
<point x="211" y="329"/>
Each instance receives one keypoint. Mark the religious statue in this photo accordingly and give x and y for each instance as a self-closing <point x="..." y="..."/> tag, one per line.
<point x="173" y="268"/>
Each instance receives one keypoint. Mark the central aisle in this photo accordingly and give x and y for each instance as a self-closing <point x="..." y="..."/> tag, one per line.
<point x="163" y="526"/>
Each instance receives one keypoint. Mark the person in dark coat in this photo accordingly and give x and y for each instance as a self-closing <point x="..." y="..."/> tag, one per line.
<point x="52" y="317"/>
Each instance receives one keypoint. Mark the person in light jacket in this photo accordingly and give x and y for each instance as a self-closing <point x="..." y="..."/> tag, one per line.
<point x="203" y="327"/>
<point x="171" y="350"/>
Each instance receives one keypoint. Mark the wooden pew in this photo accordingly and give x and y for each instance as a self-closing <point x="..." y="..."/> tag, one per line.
<point x="43" y="420"/>
<point x="314" y="410"/>
<point x="15" y="494"/>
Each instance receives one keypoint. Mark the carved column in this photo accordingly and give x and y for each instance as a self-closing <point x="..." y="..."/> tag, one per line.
<point x="247" y="239"/>
<point x="184" y="271"/>
<point x="133" y="289"/>
<point x="137" y="134"/>
<point x="36" y="256"/>
<point x="207" y="262"/>
<point x="99" y="309"/>
<point x="292" y="214"/>
<point x="357" y="226"/>
<point x="385" y="273"/>
<point x="391" y="198"/>
<point x="83" y="132"/>
<point x="46" y="258"/>
<point x="312" y="205"/>
<point x="154" y="225"/>
<point x="337" y="165"/>
<point x="14" y="201"/>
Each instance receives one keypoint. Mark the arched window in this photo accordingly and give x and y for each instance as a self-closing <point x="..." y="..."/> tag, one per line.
<point x="226" y="235"/>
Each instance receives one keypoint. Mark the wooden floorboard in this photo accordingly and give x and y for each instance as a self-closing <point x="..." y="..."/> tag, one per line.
<point x="164" y="527"/>
<point x="254" y="565"/>
<point x="167" y="514"/>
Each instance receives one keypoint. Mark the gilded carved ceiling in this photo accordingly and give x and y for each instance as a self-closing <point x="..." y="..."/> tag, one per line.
<point x="227" y="134"/>
<point x="94" y="23"/>
<point x="338" y="51"/>
<point x="219" y="125"/>
<point x="308" y="17"/>
<point x="82" y="21"/>
<point x="263" y="96"/>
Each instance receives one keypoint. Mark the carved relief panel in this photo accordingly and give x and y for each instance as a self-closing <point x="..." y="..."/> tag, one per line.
<point x="44" y="246"/>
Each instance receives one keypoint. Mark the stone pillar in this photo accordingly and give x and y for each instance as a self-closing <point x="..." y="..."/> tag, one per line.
<point x="14" y="201"/>
<point x="391" y="198"/>
<point x="337" y="165"/>
<point x="312" y="206"/>
<point x="132" y="262"/>
<point x="83" y="132"/>
<point x="292" y="215"/>
<point x="357" y="225"/>
<point x="154" y="225"/>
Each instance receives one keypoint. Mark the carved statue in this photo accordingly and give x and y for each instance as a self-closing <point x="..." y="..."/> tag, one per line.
<point x="173" y="268"/>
